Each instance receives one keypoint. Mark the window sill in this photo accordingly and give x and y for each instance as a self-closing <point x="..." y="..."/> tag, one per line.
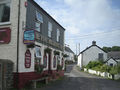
<point x="5" y="23"/>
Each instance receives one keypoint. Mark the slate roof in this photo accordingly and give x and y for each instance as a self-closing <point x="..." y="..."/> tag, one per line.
<point x="109" y="59"/>
<point x="90" y="47"/>
<point x="68" y="49"/>
<point x="114" y="54"/>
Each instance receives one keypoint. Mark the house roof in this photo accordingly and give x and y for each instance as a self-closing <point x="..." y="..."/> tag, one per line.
<point x="90" y="47"/>
<point x="45" y="12"/>
<point x="114" y="54"/>
<point x="68" y="49"/>
<point x="109" y="59"/>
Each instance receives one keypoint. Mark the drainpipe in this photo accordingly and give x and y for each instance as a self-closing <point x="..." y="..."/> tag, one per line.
<point x="17" y="77"/>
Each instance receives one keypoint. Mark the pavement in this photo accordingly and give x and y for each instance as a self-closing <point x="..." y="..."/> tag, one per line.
<point x="77" y="80"/>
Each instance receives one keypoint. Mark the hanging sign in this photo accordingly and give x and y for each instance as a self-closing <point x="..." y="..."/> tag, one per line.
<point x="5" y="35"/>
<point x="29" y="37"/>
<point x="27" y="59"/>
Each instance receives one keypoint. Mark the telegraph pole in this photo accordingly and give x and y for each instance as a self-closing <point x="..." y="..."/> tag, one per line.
<point x="79" y="47"/>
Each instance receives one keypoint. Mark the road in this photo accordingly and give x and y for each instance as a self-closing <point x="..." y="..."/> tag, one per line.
<point x="76" y="80"/>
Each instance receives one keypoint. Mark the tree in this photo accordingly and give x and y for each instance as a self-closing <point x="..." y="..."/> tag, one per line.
<point x="113" y="48"/>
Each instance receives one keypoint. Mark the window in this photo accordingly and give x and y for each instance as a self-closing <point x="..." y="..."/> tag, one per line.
<point x="39" y="17"/>
<point x="37" y="52"/>
<point x="54" y="62"/>
<point x="100" y="56"/>
<point x="4" y="11"/>
<point x="111" y="64"/>
<point x="49" y="29"/>
<point x="37" y="26"/>
<point x="45" y="61"/>
<point x="39" y="21"/>
<point x="58" y="35"/>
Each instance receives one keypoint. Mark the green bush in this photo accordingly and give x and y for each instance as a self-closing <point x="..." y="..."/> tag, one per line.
<point x="93" y="64"/>
<point x="115" y="69"/>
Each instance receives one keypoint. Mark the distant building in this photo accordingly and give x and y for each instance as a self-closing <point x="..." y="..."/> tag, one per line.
<point x="91" y="53"/>
<point x="111" y="62"/>
<point x="69" y="53"/>
<point x="115" y="55"/>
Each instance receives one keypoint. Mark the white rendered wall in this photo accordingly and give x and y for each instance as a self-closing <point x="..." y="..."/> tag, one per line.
<point x="79" y="63"/>
<point x="91" y="54"/>
<point x="9" y="51"/>
<point x="111" y="61"/>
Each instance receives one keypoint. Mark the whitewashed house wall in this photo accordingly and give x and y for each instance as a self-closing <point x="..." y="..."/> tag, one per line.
<point x="90" y="54"/>
<point x="111" y="61"/>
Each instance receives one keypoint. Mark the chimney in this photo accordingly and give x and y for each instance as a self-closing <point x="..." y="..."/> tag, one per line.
<point x="93" y="42"/>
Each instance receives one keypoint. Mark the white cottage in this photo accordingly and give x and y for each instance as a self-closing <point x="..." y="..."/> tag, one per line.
<point x="92" y="53"/>
<point x="111" y="62"/>
<point x="115" y="55"/>
<point x="69" y="53"/>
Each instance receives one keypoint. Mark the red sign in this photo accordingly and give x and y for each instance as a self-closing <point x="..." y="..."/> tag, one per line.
<point x="5" y="35"/>
<point x="27" y="59"/>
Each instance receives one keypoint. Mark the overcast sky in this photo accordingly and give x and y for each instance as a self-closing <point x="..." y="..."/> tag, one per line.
<point x="86" y="20"/>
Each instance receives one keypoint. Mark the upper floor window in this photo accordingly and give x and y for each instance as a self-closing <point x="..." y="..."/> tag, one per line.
<point x="39" y="21"/>
<point x="49" y="29"/>
<point x="58" y="35"/>
<point x="100" y="56"/>
<point x="4" y="11"/>
<point x="39" y="17"/>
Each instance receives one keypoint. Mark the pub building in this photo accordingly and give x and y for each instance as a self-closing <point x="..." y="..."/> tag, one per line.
<point x="32" y="41"/>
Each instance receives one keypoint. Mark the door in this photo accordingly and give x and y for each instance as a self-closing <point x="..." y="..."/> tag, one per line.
<point x="0" y="76"/>
<point x="49" y="62"/>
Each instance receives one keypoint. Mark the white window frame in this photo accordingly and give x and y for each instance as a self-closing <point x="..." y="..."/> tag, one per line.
<point x="58" y="35"/>
<point x="3" y="2"/>
<point x="36" y="27"/>
<point x="39" y="17"/>
<point x="49" y="29"/>
<point x="36" y="54"/>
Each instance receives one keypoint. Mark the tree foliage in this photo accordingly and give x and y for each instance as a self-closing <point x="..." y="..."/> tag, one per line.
<point x="114" y="48"/>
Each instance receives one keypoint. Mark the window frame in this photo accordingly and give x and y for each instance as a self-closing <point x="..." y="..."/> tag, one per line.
<point x="58" y="35"/>
<point x="36" y="28"/>
<point x="99" y="56"/>
<point x="50" y="27"/>
<point x="36" y="55"/>
<point x="6" y="2"/>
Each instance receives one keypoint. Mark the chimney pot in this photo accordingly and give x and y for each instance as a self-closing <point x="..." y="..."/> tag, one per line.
<point x="93" y="42"/>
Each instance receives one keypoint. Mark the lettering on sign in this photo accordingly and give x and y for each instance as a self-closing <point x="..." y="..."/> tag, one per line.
<point x="27" y="59"/>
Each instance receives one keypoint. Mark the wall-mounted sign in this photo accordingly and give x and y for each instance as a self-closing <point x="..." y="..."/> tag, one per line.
<point x="27" y="59"/>
<point x="5" y="35"/>
<point x="29" y="37"/>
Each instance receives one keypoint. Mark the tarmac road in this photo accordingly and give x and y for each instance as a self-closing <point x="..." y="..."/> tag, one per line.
<point x="76" y="80"/>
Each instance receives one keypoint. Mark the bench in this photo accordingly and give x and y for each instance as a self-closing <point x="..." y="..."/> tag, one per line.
<point x="43" y="78"/>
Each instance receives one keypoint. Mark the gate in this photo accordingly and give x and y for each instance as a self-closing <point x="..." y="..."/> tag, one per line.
<point x="0" y="76"/>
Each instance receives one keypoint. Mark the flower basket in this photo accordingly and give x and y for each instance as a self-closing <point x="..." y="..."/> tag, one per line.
<point x="47" y="50"/>
<point x="56" y="53"/>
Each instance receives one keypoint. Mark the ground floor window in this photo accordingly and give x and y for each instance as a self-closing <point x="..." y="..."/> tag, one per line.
<point x="54" y="62"/>
<point x="45" y="61"/>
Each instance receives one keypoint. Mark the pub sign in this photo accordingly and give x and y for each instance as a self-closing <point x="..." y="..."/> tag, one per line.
<point x="27" y="59"/>
<point x="29" y="37"/>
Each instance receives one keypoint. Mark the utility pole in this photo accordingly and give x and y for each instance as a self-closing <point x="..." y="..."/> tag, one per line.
<point x="76" y="49"/>
<point x="79" y="47"/>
